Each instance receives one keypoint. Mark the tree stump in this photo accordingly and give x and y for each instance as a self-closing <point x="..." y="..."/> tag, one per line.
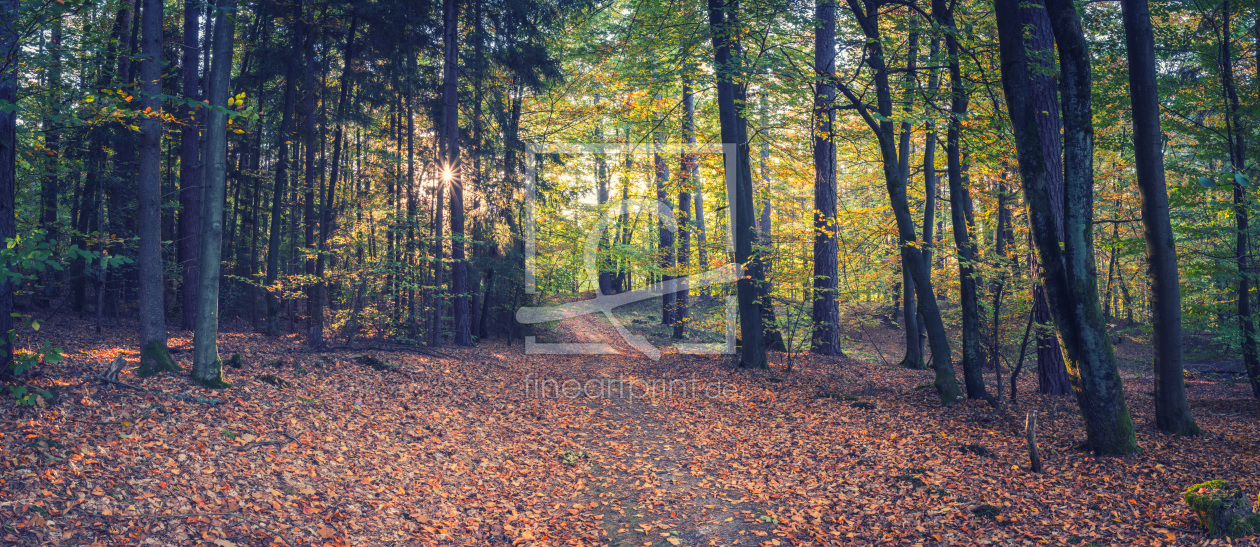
<point x="1222" y="510"/>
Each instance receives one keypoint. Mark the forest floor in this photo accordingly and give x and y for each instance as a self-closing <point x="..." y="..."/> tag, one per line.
<point x="487" y="446"/>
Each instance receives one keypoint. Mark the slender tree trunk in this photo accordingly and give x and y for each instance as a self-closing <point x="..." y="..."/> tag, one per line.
<point x="51" y="181"/>
<point x="314" y="312"/>
<point x="961" y="213"/>
<point x="282" y="175"/>
<point x="604" y="283"/>
<point x="1172" y="412"/>
<point x="9" y="69"/>
<point x="207" y="368"/>
<point x="154" y="356"/>
<point x="765" y="240"/>
<point x="1070" y="280"/>
<point x="910" y="304"/>
<point x="665" y="237"/>
<point x="190" y="170"/>
<point x="450" y="101"/>
<point x="724" y="28"/>
<point x="326" y="207"/>
<point x="1238" y="157"/>
<point x="946" y="382"/>
<point x="825" y="314"/>
<point x="689" y="168"/>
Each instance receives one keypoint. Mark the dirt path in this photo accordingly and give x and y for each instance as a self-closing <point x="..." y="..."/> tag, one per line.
<point x="646" y="457"/>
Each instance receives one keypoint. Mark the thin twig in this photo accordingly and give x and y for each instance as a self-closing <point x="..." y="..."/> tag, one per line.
<point x="185" y="398"/>
<point x="870" y="341"/>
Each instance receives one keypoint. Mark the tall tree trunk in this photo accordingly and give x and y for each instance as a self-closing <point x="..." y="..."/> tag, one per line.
<point x="314" y="312"/>
<point x="946" y="382"/>
<point x="283" y="138"/>
<point x="326" y="206"/>
<point x="1238" y="158"/>
<point x="724" y="29"/>
<point x="190" y="170"/>
<point x="9" y="69"/>
<point x="450" y="102"/>
<point x="825" y="314"/>
<point x="1051" y="368"/>
<point x="961" y="213"/>
<point x="665" y="237"/>
<point x="1070" y="281"/>
<point x="913" y="315"/>
<point x="1172" y="412"/>
<point x="154" y="356"/>
<point x="207" y="368"/>
<point x="604" y="283"/>
<point x="689" y="168"/>
<point x="51" y="182"/>
<point x="765" y="240"/>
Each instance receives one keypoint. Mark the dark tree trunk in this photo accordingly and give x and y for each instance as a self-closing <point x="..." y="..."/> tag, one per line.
<point x="961" y="213"/>
<point x="326" y="207"/>
<point x="1238" y="158"/>
<point x="283" y="138"/>
<point x="190" y="171"/>
<point x="154" y="356"/>
<point x="314" y="311"/>
<point x="207" y="368"/>
<point x="825" y="315"/>
<point x="51" y="182"/>
<point x="1172" y="412"/>
<point x="1070" y="280"/>
<point x="765" y="241"/>
<point x="665" y="237"/>
<point x="911" y="312"/>
<point x="946" y="382"/>
<point x="8" y="165"/>
<point x="1051" y="368"/>
<point x="450" y="101"/>
<point x="723" y="27"/>
<point x="604" y="283"/>
<point x="689" y="168"/>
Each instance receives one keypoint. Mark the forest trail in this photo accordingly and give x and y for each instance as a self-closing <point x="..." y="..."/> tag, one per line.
<point x="644" y="449"/>
<point x="461" y="447"/>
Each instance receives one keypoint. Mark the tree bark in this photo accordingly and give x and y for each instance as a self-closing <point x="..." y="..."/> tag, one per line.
<point x="9" y="69"/>
<point x="207" y="368"/>
<point x="1070" y="280"/>
<point x="825" y="314"/>
<point x="665" y="237"/>
<point x="724" y="31"/>
<point x="450" y="101"/>
<point x="1172" y="412"/>
<point x="961" y="213"/>
<point x="946" y="382"/>
<point x="190" y="170"/>
<point x="326" y="207"/>
<point x="1051" y="369"/>
<point x="1238" y="158"/>
<point x="283" y="138"/>
<point x="314" y="311"/>
<point x="154" y="356"/>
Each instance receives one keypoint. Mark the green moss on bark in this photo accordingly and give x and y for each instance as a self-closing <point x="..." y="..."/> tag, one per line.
<point x="947" y="386"/>
<point x="215" y="382"/>
<point x="1222" y="510"/>
<point x="155" y="358"/>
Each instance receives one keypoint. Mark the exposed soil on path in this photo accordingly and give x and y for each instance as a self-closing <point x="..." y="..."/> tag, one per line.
<point x="649" y="456"/>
